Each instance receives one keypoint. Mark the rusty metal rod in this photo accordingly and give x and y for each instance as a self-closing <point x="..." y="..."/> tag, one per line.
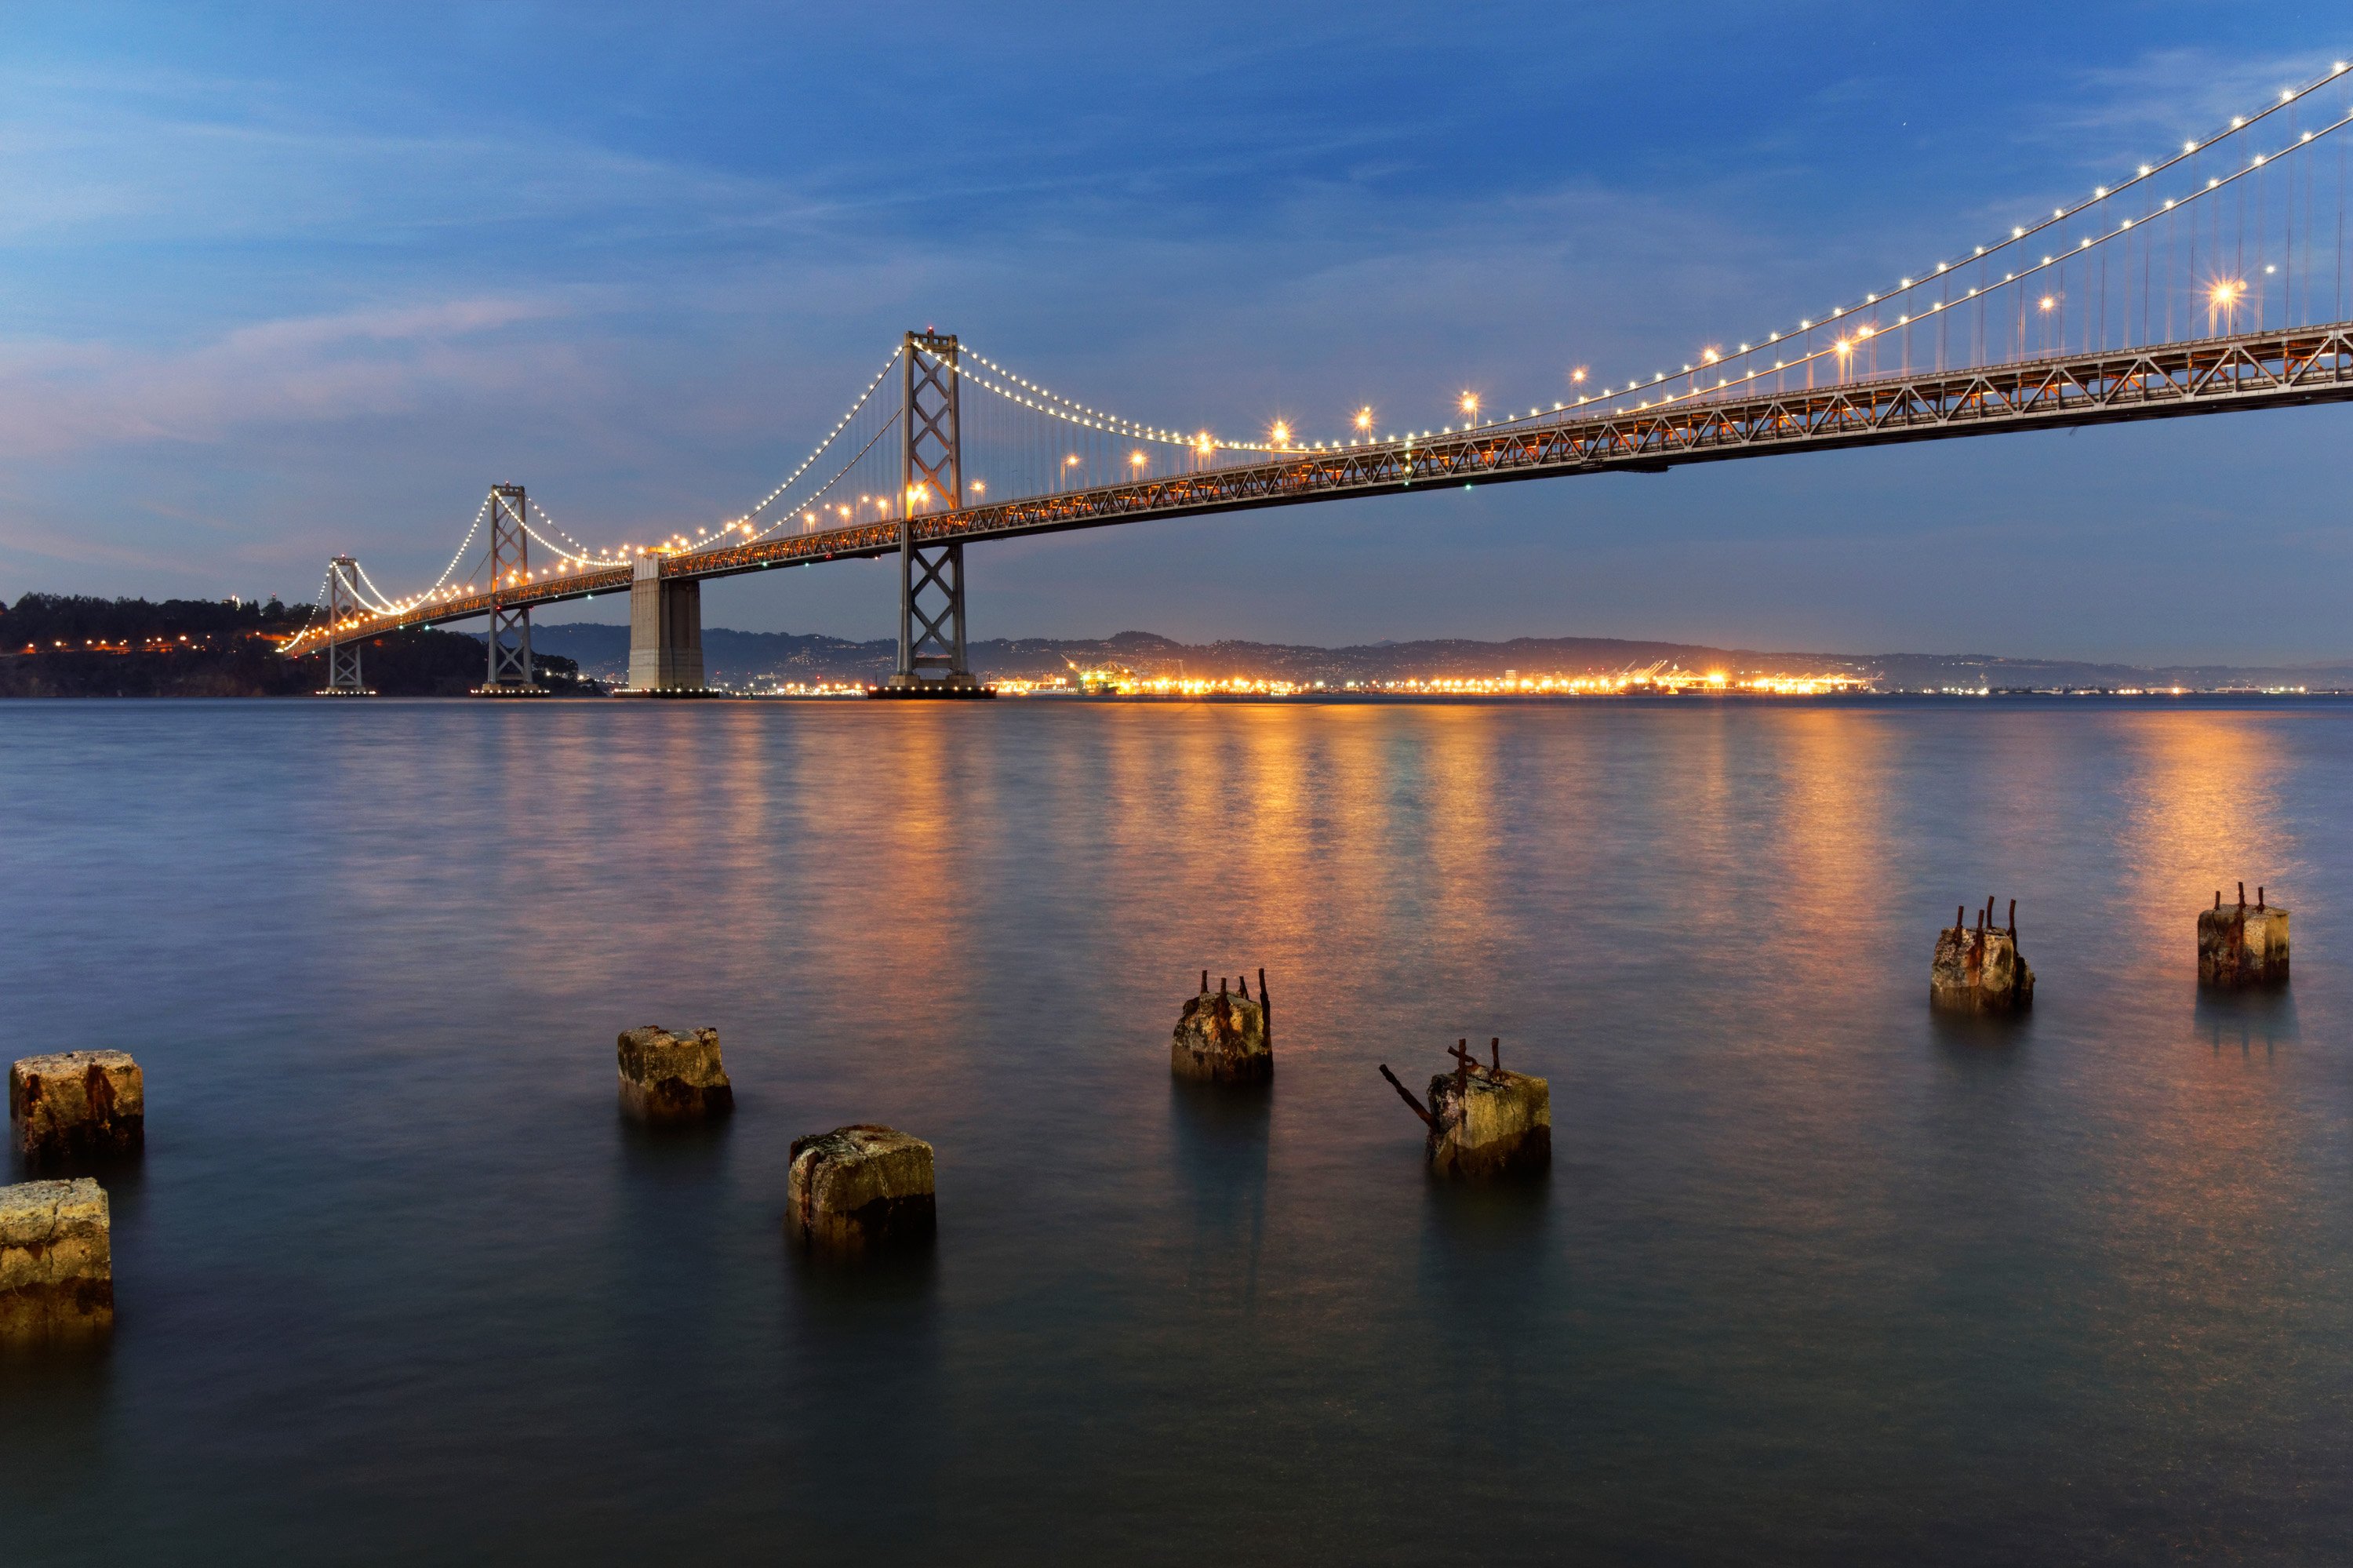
<point x="1405" y="1094"/>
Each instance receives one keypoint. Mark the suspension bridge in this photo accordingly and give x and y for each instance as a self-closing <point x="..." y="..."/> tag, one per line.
<point x="2209" y="279"/>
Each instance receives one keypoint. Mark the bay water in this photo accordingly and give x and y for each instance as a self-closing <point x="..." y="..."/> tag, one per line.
<point x="1814" y="1276"/>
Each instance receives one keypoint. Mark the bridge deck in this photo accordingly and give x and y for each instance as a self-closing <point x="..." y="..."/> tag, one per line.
<point x="2260" y="370"/>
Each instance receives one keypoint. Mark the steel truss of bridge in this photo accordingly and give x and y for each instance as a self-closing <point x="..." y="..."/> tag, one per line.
<point x="2213" y="375"/>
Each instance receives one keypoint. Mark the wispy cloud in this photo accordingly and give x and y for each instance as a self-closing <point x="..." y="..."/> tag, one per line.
<point x="58" y="397"/>
<point x="184" y="160"/>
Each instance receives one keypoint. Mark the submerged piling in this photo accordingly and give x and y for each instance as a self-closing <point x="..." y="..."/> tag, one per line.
<point x="57" y="1261"/>
<point x="1224" y="1038"/>
<point x="861" y="1188"/>
<point x="77" y="1103"/>
<point x="1980" y="969"/>
<point x="2240" y="948"/>
<point x="1484" y="1121"/>
<point x="670" y="1077"/>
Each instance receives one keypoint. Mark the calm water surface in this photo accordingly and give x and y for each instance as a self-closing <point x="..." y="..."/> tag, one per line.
<point x="1813" y="1277"/>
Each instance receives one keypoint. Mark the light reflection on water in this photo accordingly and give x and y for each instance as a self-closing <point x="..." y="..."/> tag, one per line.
<point x="1814" y="1275"/>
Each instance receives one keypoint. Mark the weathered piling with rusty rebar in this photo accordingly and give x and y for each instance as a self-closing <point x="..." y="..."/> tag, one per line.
<point x="1224" y="1038"/>
<point x="1484" y="1121"/>
<point x="1980" y="969"/>
<point x="2242" y="947"/>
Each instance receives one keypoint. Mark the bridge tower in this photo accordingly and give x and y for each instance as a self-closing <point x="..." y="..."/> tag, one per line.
<point x="930" y="577"/>
<point x="343" y="604"/>
<point x="510" y="667"/>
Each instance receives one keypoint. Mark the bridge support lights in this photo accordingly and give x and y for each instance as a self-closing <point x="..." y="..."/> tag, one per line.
<point x="342" y="607"/>
<point x="511" y="673"/>
<point x="665" y="633"/>
<point x="932" y="661"/>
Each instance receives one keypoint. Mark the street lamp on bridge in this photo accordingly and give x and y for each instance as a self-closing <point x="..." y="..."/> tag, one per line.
<point x="2222" y="304"/>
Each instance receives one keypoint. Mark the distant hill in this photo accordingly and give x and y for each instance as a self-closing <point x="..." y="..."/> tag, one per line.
<point x="61" y="645"/>
<point x="757" y="658"/>
<point x="729" y="658"/>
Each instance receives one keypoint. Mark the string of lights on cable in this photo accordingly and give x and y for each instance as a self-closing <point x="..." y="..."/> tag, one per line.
<point x="1984" y="256"/>
<point x="1079" y="413"/>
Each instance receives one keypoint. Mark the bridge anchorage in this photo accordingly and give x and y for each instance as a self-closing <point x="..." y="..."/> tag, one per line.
<point x="511" y="673"/>
<point x="931" y="575"/>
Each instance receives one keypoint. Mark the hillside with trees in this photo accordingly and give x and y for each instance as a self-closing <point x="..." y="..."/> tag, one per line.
<point x="61" y="645"/>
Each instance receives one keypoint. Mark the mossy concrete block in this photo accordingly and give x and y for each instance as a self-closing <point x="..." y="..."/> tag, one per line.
<point x="57" y="1261"/>
<point x="859" y="1187"/>
<point x="1490" y="1122"/>
<point x="673" y="1077"/>
<point x="77" y="1103"/>
<point x="1222" y="1039"/>
<point x="2239" y="946"/>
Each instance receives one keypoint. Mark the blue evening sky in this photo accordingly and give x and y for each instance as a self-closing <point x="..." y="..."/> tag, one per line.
<point x="284" y="280"/>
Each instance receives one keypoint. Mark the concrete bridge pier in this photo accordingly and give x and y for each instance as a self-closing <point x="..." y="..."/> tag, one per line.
<point x="665" y="633"/>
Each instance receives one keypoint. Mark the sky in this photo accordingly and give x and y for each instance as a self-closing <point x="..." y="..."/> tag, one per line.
<point x="280" y="282"/>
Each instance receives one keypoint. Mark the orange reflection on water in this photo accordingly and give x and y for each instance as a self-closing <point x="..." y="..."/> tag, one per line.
<point x="1311" y="840"/>
<point x="2201" y="813"/>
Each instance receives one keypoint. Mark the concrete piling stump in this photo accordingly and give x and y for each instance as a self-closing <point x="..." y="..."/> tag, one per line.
<point x="1979" y="968"/>
<point x="673" y="1077"/>
<point x="2240" y="948"/>
<point x="1225" y="1039"/>
<point x="57" y="1264"/>
<point x="859" y="1188"/>
<point x="77" y="1103"/>
<point x="1484" y="1121"/>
